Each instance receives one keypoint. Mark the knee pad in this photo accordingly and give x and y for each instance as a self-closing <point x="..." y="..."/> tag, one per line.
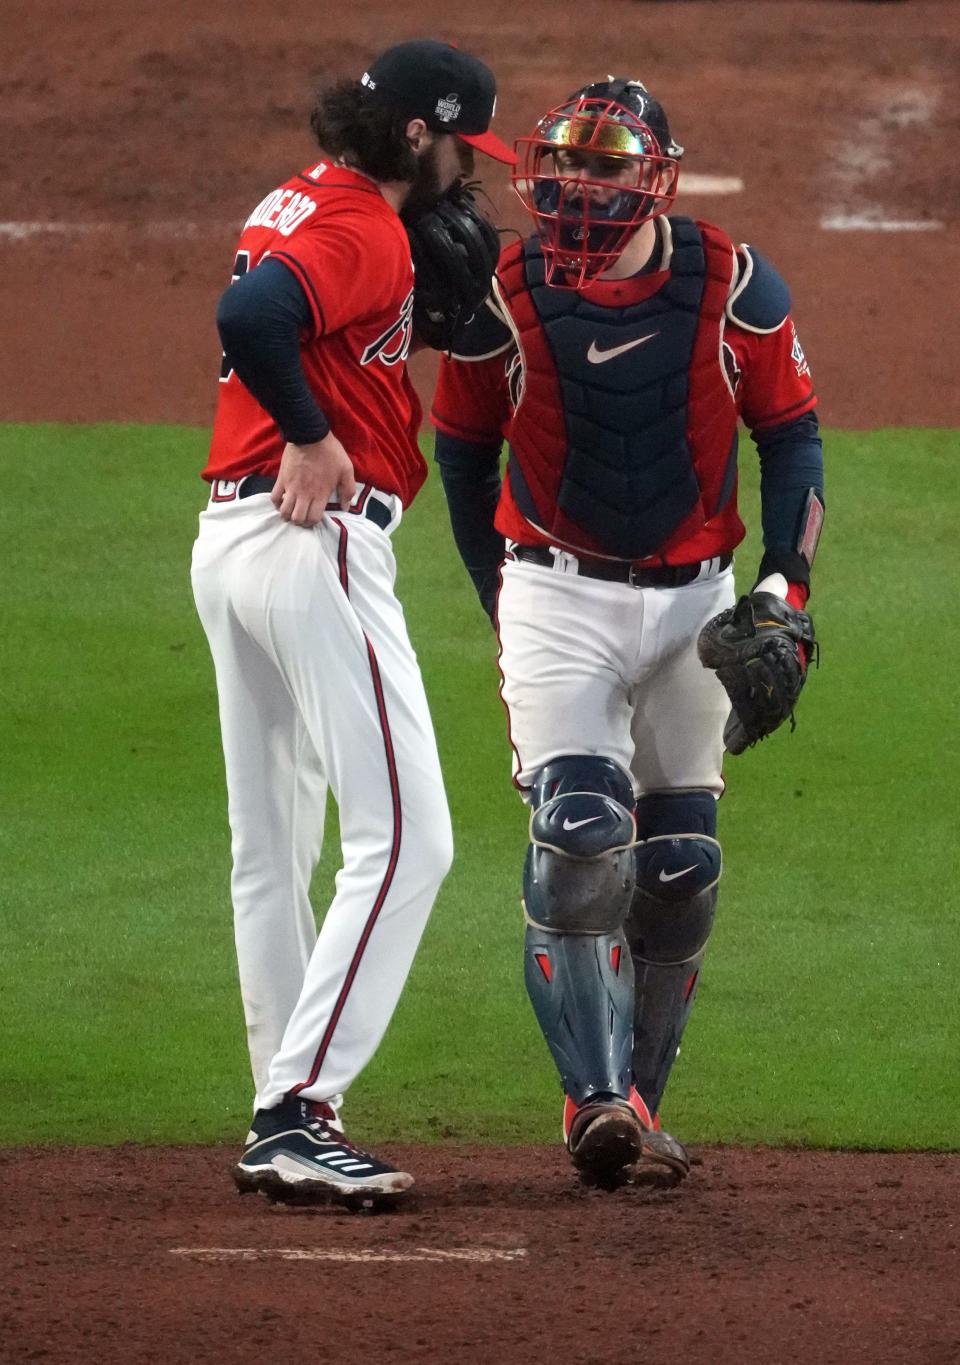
<point x="686" y="812"/>
<point x="678" y="866"/>
<point x="579" y="875"/>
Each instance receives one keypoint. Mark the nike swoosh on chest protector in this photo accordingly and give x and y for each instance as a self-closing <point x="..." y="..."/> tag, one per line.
<point x="598" y="357"/>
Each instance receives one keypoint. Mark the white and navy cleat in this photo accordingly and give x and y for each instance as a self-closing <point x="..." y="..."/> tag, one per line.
<point x="297" y="1153"/>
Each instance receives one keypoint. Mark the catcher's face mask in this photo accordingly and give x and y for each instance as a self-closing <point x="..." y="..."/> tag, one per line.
<point x="589" y="175"/>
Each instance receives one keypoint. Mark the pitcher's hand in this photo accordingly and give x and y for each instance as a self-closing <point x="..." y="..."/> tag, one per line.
<point x="310" y="477"/>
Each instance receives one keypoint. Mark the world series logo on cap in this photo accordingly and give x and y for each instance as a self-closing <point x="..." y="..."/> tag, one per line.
<point x="448" y="108"/>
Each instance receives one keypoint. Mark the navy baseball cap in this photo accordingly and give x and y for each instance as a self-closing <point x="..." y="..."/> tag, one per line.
<point x="452" y="91"/>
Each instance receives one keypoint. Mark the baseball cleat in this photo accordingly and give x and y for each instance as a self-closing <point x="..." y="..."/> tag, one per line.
<point x="614" y="1141"/>
<point x="604" y="1138"/>
<point x="297" y="1153"/>
<point x="663" y="1162"/>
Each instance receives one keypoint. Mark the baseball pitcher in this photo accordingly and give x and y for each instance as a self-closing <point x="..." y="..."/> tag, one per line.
<point x="313" y="459"/>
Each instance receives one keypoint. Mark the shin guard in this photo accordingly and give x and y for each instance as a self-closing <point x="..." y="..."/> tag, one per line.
<point x="664" y="998"/>
<point x="668" y="926"/>
<point x="579" y="879"/>
<point x="581" y="989"/>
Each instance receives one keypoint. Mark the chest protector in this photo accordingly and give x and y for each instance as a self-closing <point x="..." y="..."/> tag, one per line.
<point x="625" y="436"/>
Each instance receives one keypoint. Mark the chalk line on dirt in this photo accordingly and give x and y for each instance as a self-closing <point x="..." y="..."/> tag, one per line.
<point x="162" y="230"/>
<point x="26" y="230"/>
<point x="709" y="184"/>
<point x="868" y="222"/>
<point x="362" y="1255"/>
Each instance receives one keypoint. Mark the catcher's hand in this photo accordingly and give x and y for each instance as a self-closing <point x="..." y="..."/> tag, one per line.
<point x="455" y="250"/>
<point x="759" y="649"/>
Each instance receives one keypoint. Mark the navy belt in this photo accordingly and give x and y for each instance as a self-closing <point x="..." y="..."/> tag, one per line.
<point x="373" y="509"/>
<point x="256" y="483"/>
<point x="619" y="571"/>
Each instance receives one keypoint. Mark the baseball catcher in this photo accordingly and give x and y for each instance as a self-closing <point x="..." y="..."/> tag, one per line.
<point x="759" y="650"/>
<point x="454" y="249"/>
<point x="621" y="346"/>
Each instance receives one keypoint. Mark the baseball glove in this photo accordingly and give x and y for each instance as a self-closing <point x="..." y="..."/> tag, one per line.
<point x="759" y="649"/>
<point x="455" y="251"/>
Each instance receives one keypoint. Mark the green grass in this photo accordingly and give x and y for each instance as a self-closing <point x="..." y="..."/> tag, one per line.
<point x="829" y="1012"/>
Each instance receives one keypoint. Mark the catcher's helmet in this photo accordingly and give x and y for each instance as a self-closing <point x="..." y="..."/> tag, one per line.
<point x="620" y="168"/>
<point x="635" y="96"/>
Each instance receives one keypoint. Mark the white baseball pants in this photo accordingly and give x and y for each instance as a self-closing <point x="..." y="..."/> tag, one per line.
<point x="318" y="684"/>
<point x="593" y="667"/>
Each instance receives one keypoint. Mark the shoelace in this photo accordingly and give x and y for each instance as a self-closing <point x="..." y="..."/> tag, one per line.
<point x="313" y="1111"/>
<point x="319" y="1123"/>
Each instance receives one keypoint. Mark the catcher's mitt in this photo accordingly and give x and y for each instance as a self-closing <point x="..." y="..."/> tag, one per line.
<point x="455" y="251"/>
<point x="759" y="649"/>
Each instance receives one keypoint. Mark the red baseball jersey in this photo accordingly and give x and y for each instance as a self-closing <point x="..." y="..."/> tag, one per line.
<point x="345" y="244"/>
<point x="477" y="400"/>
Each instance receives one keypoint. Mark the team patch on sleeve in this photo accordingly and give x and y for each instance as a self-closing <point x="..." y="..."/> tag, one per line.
<point x="799" y="359"/>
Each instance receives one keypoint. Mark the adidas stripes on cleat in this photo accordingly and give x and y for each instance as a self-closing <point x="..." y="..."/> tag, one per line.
<point x="296" y="1152"/>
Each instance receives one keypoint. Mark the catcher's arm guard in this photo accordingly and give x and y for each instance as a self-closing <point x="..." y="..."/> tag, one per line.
<point x="759" y="649"/>
<point x="455" y="250"/>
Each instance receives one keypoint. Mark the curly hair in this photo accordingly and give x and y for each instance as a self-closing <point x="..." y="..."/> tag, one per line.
<point x="367" y="136"/>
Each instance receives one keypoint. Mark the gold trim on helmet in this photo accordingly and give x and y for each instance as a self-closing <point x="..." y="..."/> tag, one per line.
<point x="597" y="134"/>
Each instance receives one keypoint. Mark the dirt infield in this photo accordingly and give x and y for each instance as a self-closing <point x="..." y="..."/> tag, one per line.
<point x="132" y="152"/>
<point x="135" y="140"/>
<point x="136" y="1255"/>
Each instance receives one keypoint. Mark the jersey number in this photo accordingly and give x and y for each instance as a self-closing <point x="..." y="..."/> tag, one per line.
<point x="240" y="267"/>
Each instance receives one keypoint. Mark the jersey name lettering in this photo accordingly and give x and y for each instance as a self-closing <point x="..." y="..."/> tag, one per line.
<point x="282" y="210"/>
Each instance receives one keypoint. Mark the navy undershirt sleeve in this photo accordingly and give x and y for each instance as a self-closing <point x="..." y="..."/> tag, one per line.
<point x="470" y="473"/>
<point x="791" y="463"/>
<point x="260" y="318"/>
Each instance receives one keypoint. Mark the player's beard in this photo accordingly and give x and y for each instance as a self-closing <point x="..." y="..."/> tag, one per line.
<point x="428" y="186"/>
